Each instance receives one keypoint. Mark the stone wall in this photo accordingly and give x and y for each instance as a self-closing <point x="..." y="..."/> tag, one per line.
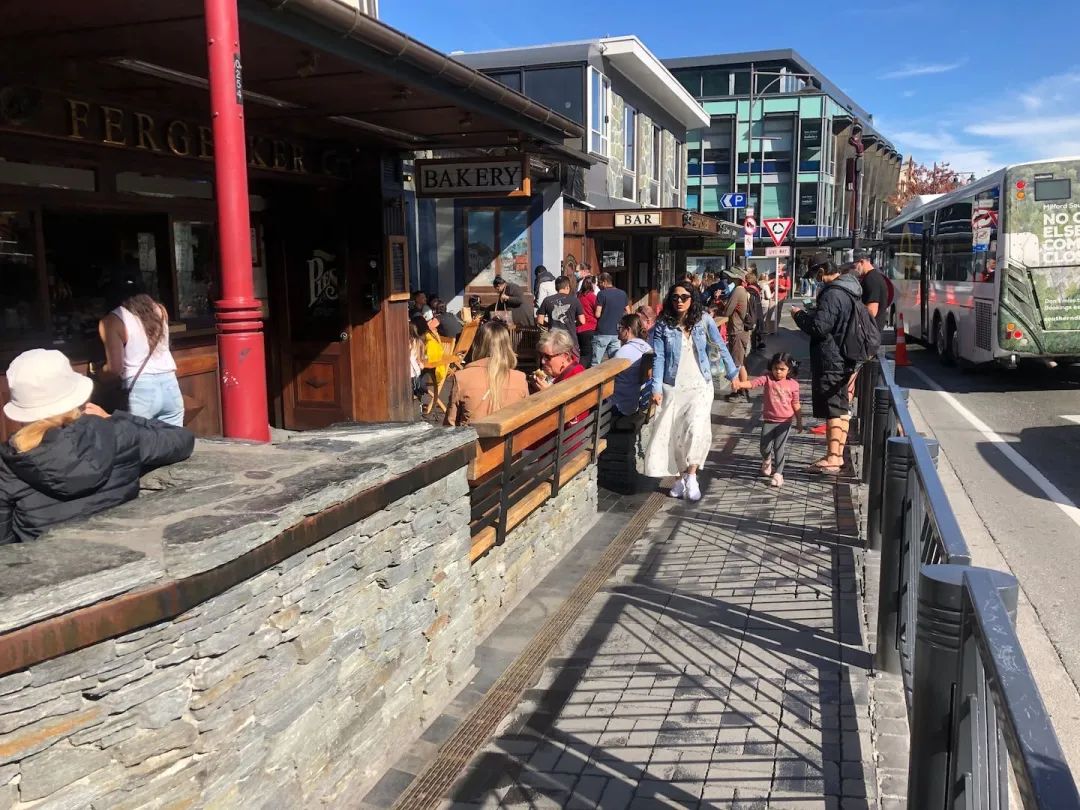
<point x="294" y="687"/>
<point x="284" y="690"/>
<point x="508" y="572"/>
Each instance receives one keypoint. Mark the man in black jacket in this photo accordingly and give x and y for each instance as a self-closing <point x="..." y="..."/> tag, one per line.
<point x="830" y="371"/>
<point x="512" y="297"/>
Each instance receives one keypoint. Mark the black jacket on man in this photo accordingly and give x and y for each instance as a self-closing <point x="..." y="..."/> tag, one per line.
<point x="515" y="298"/>
<point x="827" y="323"/>
<point x="82" y="468"/>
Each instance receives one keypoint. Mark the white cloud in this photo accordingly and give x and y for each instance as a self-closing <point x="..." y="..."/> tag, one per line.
<point x="911" y="69"/>
<point x="939" y="146"/>
<point x="908" y="93"/>
<point x="1023" y="128"/>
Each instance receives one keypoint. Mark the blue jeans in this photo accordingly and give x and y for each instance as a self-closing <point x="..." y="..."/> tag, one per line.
<point x="157" y="396"/>
<point x="603" y="347"/>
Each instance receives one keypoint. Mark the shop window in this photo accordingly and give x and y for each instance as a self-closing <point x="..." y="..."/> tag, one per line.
<point x="599" y="89"/>
<point x="88" y="255"/>
<point x="195" y="245"/>
<point x="156" y="186"/>
<point x="19" y="294"/>
<point x="559" y="88"/>
<point x="497" y="243"/>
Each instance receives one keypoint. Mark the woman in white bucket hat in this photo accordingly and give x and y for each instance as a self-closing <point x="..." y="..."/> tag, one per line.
<point x="70" y="459"/>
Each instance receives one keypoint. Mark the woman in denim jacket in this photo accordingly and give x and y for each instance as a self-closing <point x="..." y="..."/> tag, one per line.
<point x="683" y="389"/>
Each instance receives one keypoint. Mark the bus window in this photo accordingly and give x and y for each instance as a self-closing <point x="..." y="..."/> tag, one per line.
<point x="952" y="243"/>
<point x="984" y="237"/>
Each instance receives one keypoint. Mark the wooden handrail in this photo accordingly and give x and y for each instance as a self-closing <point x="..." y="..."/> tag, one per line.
<point x="506" y="420"/>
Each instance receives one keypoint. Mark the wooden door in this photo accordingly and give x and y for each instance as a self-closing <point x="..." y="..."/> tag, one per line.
<point x="314" y="346"/>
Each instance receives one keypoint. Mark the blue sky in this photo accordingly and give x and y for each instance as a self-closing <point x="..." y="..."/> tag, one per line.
<point x="976" y="84"/>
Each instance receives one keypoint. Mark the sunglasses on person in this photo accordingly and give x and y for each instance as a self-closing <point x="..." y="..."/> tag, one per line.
<point x="546" y="356"/>
<point x="681" y="298"/>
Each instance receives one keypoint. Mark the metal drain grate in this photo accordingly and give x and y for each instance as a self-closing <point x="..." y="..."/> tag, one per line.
<point x="431" y="786"/>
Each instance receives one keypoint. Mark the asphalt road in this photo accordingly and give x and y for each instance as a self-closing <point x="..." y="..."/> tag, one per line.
<point x="1039" y="540"/>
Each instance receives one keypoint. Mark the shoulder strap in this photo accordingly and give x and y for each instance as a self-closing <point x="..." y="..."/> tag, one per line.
<point x="151" y="349"/>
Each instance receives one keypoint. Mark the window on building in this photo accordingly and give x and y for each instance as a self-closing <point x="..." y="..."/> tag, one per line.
<point x="716" y="82"/>
<point x="511" y="78"/>
<point x="693" y="200"/>
<point x="776" y="200"/>
<point x="808" y="203"/>
<point x="497" y="243"/>
<point x="195" y="248"/>
<point x="20" y="298"/>
<point x="559" y="88"/>
<point x="690" y="79"/>
<point x="676" y="176"/>
<point x="657" y="163"/>
<point x="693" y="161"/>
<point x="599" y="90"/>
<point x="629" y="179"/>
<point x="741" y="85"/>
<point x="810" y="145"/>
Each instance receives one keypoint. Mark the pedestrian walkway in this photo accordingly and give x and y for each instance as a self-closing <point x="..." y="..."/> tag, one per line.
<point x="723" y="665"/>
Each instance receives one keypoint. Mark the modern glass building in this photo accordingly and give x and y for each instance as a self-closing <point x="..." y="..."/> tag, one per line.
<point x="779" y="133"/>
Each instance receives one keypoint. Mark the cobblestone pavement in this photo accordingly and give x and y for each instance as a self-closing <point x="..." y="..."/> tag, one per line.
<point x="724" y="665"/>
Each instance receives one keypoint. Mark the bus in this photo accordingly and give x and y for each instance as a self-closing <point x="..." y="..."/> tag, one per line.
<point x="990" y="272"/>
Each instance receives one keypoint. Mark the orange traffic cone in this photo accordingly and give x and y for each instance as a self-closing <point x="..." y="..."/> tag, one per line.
<point x="900" y="356"/>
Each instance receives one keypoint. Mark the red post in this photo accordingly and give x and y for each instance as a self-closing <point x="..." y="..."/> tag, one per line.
<point x="241" y="355"/>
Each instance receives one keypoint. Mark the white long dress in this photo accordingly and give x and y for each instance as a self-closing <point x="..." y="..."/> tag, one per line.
<point x="682" y="432"/>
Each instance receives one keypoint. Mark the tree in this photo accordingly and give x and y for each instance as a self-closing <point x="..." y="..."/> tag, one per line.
<point x="917" y="178"/>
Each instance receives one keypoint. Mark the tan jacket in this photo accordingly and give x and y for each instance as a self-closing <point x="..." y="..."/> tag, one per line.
<point x="469" y="395"/>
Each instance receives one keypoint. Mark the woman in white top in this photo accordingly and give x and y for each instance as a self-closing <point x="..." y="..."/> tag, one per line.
<point x="136" y="338"/>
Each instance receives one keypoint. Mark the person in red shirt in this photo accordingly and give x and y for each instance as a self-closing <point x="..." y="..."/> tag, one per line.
<point x="780" y="408"/>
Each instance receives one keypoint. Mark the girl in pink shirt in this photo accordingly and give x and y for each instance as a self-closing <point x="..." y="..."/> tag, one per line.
<point x="780" y="407"/>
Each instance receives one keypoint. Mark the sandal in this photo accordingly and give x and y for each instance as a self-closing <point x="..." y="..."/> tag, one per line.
<point x="823" y="466"/>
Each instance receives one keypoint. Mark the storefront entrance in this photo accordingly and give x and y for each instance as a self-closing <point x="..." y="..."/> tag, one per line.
<point x="310" y="265"/>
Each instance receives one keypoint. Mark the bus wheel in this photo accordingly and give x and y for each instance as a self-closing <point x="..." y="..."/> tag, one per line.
<point x="942" y="341"/>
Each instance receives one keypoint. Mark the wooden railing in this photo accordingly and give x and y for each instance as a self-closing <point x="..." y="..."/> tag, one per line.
<point x="528" y="451"/>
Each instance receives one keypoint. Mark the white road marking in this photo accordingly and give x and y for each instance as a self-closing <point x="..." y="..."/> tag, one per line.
<point x="1072" y="418"/>
<point x="1059" y="498"/>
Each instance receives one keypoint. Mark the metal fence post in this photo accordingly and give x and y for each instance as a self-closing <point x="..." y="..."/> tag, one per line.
<point x="898" y="462"/>
<point x="880" y="428"/>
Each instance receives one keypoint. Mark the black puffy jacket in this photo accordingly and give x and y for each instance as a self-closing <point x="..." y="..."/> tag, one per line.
<point x="827" y="323"/>
<point x="82" y="468"/>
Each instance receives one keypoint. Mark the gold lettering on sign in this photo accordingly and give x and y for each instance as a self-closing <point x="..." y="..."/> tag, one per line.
<point x="113" y="121"/>
<point x="78" y="111"/>
<point x="279" y="155"/>
<point x="206" y="142"/>
<point x="144" y="127"/>
<point x="298" y="159"/>
<point x="255" y="157"/>
<point x="178" y="138"/>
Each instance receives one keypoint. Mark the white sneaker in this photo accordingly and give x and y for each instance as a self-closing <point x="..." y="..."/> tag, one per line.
<point x="693" y="491"/>
<point x="679" y="490"/>
<point x="777" y="480"/>
<point x="766" y="467"/>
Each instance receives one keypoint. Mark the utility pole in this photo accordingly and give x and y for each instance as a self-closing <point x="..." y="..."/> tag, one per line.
<point x="856" y="193"/>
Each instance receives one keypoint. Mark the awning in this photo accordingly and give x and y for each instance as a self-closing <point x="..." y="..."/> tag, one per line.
<point x="660" y="222"/>
<point x="315" y="66"/>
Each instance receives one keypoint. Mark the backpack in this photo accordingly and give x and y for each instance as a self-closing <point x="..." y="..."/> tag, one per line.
<point x="755" y="313"/>
<point x="862" y="339"/>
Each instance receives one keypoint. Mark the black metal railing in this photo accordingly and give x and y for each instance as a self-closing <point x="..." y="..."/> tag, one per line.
<point x="948" y="629"/>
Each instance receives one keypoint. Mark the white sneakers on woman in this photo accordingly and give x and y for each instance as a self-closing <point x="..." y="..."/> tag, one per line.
<point x="687" y="487"/>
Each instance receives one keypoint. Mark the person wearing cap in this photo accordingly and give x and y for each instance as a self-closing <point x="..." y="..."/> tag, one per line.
<point x="830" y="373"/>
<point x="71" y="459"/>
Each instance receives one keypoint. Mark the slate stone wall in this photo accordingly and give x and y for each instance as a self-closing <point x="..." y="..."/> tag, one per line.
<point x="295" y="688"/>
<point x="288" y="690"/>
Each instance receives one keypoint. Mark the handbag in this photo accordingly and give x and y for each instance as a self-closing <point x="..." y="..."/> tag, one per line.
<point x="110" y="394"/>
<point x="503" y="314"/>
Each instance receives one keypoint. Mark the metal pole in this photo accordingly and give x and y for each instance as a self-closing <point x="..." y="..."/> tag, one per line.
<point x="241" y="354"/>
<point x="879" y="433"/>
<point x="938" y="642"/>
<point x="898" y="463"/>
<point x="750" y="156"/>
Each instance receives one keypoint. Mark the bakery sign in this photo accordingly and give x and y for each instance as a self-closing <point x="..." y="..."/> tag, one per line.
<point x="472" y="178"/>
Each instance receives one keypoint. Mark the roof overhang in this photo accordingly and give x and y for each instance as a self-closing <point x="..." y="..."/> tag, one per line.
<point x="636" y="62"/>
<point x="318" y="67"/>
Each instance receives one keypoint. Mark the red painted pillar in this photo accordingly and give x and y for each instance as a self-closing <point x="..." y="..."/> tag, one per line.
<point x="241" y="355"/>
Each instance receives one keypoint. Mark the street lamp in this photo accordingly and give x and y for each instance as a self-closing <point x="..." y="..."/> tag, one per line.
<point x="856" y="143"/>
